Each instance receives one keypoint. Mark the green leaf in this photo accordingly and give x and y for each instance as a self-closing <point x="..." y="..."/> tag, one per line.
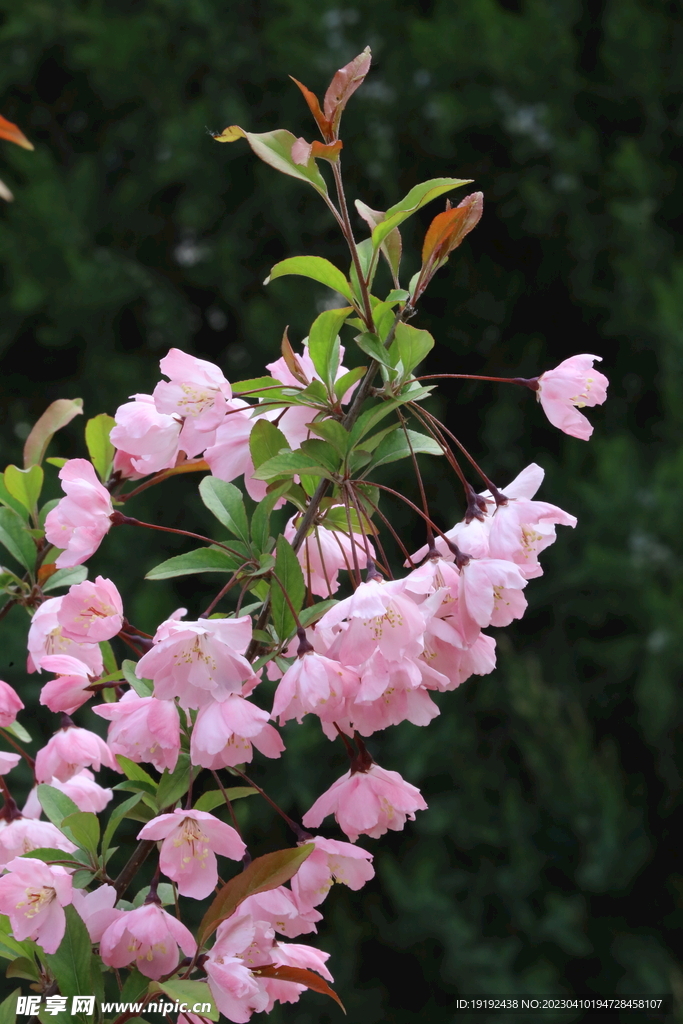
<point x="57" y="460"/>
<point x="7" y="499"/>
<point x="318" y="269"/>
<point x="57" y="805"/>
<point x="100" y="448"/>
<point x="307" y="616"/>
<point x="143" y="687"/>
<point x="255" y="384"/>
<point x="395" y="446"/>
<point x="164" y="892"/>
<point x="83" y="828"/>
<point x="66" y="578"/>
<point x="264" y="873"/>
<point x="23" y="967"/>
<point x="115" y="818"/>
<point x="173" y="785"/>
<point x="322" y="452"/>
<point x="71" y="965"/>
<point x="416" y="198"/>
<point x="25" y="485"/>
<point x="199" y="560"/>
<point x="50" y="854"/>
<point x="260" y="520"/>
<point x="348" y="380"/>
<point x="372" y="346"/>
<point x="410" y="346"/>
<point x="266" y="441"/>
<point x="334" y="432"/>
<point x="214" y="798"/>
<point x="289" y="464"/>
<point x="397" y="295"/>
<point x="15" y="537"/>
<point x="17" y="730"/>
<point x="192" y="993"/>
<point x="135" y="773"/>
<point x="10" y="948"/>
<point x="323" y="343"/>
<point x="56" y="416"/>
<point x="275" y="148"/>
<point x="108" y="657"/>
<point x="8" y="1007"/>
<point x="135" y="984"/>
<point x="288" y="572"/>
<point x="225" y="501"/>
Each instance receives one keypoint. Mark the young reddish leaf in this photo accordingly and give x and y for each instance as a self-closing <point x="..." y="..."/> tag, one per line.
<point x="46" y="571"/>
<point x="418" y="197"/>
<point x="392" y="245"/>
<point x="264" y="873"/>
<point x="448" y="229"/>
<point x="275" y="148"/>
<point x="53" y="419"/>
<point x="300" y="976"/>
<point x="445" y="234"/>
<point x="314" y="107"/>
<point x="302" y="151"/>
<point x="293" y="364"/>
<point x="10" y="132"/>
<point x="343" y="86"/>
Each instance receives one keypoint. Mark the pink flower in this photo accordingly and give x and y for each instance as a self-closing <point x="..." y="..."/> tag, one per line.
<point x="68" y="691"/>
<point x="143" y="729"/>
<point x="8" y="762"/>
<point x="324" y="552"/>
<point x="293" y="954"/>
<point x="33" y="895"/>
<point x="367" y="803"/>
<point x="380" y="615"/>
<point x="69" y="750"/>
<point x="149" y="437"/>
<point x="191" y="840"/>
<point x="279" y="910"/>
<point x="96" y="909"/>
<point x="229" y="455"/>
<point x="224" y="732"/>
<point x="91" y="612"/>
<point x="315" y="684"/>
<point x="25" y="834"/>
<point x="237" y="993"/>
<point x="197" y="390"/>
<point x="572" y="385"/>
<point x="10" y="705"/>
<point x="46" y="637"/>
<point x="331" y="861"/>
<point x="150" y="937"/>
<point x="490" y="594"/>
<point x="80" y="521"/>
<point x="199" y="662"/>
<point x="123" y="465"/>
<point x="87" y="794"/>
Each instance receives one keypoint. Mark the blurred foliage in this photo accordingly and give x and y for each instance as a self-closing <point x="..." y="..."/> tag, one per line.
<point x="547" y="861"/>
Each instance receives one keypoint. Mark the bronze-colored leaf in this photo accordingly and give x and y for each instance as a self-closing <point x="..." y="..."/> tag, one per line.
<point x="56" y="416"/>
<point x="314" y="107"/>
<point x="343" y="86"/>
<point x="300" y="976"/>
<point x="264" y="873"/>
<point x="13" y="134"/>
<point x="293" y="364"/>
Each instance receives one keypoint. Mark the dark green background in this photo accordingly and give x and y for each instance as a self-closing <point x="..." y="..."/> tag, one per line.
<point x="549" y="858"/>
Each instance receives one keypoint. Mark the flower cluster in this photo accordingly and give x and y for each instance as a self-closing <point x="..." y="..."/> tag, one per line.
<point x="209" y="691"/>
